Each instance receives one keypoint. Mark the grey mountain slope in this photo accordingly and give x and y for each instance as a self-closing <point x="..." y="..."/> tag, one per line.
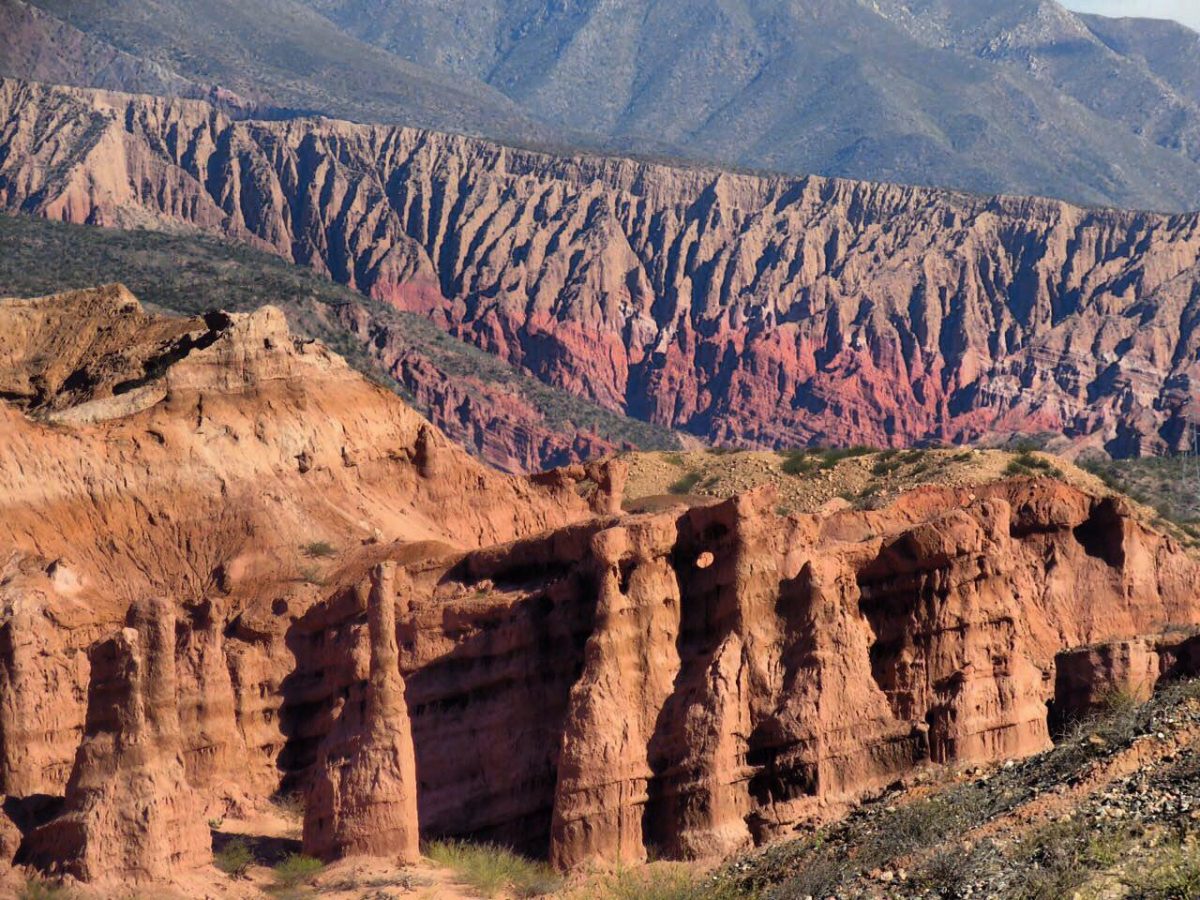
<point x="993" y="96"/>
<point x="39" y="47"/>
<point x="1019" y="96"/>
<point x="279" y="53"/>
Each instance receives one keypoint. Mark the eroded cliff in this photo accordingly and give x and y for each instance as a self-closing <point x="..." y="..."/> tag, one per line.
<point x="350" y="600"/>
<point x="750" y="310"/>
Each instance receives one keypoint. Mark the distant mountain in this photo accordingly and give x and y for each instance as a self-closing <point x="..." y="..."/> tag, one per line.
<point x="748" y="310"/>
<point x="992" y="96"/>
<point x="1013" y="96"/>
<point x="274" y="54"/>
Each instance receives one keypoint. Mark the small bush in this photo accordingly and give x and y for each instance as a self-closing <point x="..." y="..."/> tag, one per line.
<point x="685" y="484"/>
<point x="1027" y="464"/>
<point x="319" y="550"/>
<point x="821" y="876"/>
<point x="945" y="875"/>
<point x="1063" y="854"/>
<point x="234" y="859"/>
<point x="296" y="870"/>
<point x="1174" y="877"/>
<point x="651" y="883"/>
<point x="36" y="889"/>
<point x="799" y="462"/>
<point x="491" y="870"/>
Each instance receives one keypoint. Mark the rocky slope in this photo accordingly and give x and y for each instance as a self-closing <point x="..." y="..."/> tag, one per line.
<point x="502" y="415"/>
<point x="348" y="598"/>
<point x="1015" y="96"/>
<point x="276" y="56"/>
<point x="749" y="310"/>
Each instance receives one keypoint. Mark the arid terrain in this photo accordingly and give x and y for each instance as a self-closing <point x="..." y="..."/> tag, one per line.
<point x="599" y="450"/>
<point x="749" y="311"/>
<point x="253" y="603"/>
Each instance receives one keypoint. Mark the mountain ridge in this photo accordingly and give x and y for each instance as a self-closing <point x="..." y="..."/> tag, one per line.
<point x="988" y="96"/>
<point x="764" y="311"/>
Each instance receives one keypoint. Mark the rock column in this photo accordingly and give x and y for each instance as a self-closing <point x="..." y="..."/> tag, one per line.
<point x="363" y="801"/>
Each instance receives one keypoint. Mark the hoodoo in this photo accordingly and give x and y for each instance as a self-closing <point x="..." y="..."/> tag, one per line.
<point x="427" y="649"/>
<point x="129" y="814"/>
<point x="363" y="800"/>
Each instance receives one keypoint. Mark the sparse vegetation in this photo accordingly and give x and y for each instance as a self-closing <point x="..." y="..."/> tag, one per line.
<point x="490" y="869"/>
<point x="1174" y="876"/>
<point x="657" y="882"/>
<point x="1159" y="483"/>
<point x="310" y="575"/>
<point x="234" y="859"/>
<point x="685" y="484"/>
<point x="319" y="550"/>
<point x="1026" y="464"/>
<point x="36" y="889"/>
<point x="296" y="870"/>
<point x="1051" y="860"/>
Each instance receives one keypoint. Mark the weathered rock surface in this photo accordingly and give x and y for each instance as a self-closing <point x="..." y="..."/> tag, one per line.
<point x="581" y="683"/>
<point x="751" y="310"/>
<point x="363" y="801"/>
<point x="129" y="814"/>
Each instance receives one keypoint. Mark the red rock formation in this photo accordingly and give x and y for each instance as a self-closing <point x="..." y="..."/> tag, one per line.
<point x="751" y="310"/>
<point x="492" y="417"/>
<point x="578" y="682"/>
<point x="202" y="460"/>
<point x="129" y="815"/>
<point x="364" y="797"/>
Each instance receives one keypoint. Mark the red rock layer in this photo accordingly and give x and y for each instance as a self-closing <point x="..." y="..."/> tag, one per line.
<point x="750" y="310"/>
<point x="363" y="798"/>
<point x="690" y="682"/>
<point x="577" y="682"/>
<point x="129" y="815"/>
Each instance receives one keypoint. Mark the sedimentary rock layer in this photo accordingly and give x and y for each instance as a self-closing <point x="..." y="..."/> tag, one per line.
<point x="129" y="814"/>
<point x="751" y="310"/>
<point x="352" y="601"/>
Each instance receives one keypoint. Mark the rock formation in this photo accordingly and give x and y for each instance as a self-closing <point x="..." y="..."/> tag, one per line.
<point x="581" y="683"/>
<point x="363" y="801"/>
<point x="129" y="814"/>
<point x="751" y="310"/>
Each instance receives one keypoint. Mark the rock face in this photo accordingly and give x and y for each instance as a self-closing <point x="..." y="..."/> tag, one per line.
<point x="361" y="612"/>
<point x="129" y="814"/>
<point x="750" y="310"/>
<point x="364" y="796"/>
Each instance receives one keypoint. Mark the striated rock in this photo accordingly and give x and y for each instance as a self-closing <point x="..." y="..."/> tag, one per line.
<point x="364" y="613"/>
<point x="364" y="797"/>
<point x="690" y="682"/>
<point x="1086" y="678"/>
<point x="195" y="491"/>
<point x="750" y="310"/>
<point x="129" y="814"/>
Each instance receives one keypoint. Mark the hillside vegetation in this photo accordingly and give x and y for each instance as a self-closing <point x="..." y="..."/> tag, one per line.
<point x="189" y="274"/>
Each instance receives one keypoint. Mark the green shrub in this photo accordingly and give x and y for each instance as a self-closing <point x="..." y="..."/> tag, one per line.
<point x="944" y="875"/>
<point x="296" y="869"/>
<point x="492" y="870"/>
<point x="319" y="550"/>
<point x="799" y="462"/>
<point x="661" y="883"/>
<point x="685" y="484"/>
<point x="1175" y="876"/>
<point x="234" y="859"/>
<point x="36" y="889"/>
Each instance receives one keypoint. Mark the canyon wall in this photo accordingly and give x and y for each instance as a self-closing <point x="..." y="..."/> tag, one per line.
<point x="747" y="309"/>
<point x="349" y="598"/>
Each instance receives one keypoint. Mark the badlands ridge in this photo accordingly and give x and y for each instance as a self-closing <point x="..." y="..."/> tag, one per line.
<point x="231" y="567"/>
